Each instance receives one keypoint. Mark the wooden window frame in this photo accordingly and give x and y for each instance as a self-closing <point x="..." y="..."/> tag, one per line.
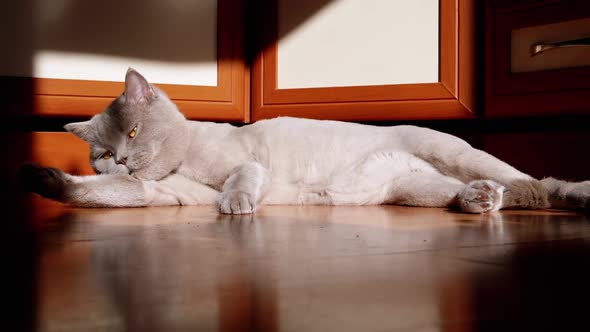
<point x="453" y="97"/>
<point x="228" y="101"/>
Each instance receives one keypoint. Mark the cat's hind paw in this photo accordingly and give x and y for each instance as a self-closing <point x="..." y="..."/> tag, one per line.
<point x="236" y="202"/>
<point x="481" y="196"/>
<point x="45" y="181"/>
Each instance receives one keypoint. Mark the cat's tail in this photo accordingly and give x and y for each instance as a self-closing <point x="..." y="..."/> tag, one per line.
<point x="525" y="194"/>
<point x="568" y="195"/>
<point x="548" y="193"/>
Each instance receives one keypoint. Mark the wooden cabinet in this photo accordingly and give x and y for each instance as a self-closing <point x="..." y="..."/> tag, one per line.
<point x="523" y="82"/>
<point x="367" y="61"/>
<point x="450" y="94"/>
<point x="258" y="75"/>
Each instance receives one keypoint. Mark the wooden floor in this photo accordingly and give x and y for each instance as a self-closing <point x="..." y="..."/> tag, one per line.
<point x="310" y="269"/>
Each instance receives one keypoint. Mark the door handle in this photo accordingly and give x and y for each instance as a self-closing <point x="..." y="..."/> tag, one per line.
<point x="541" y="47"/>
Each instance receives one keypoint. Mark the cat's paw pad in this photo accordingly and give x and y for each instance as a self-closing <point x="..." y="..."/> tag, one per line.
<point x="45" y="181"/>
<point x="236" y="202"/>
<point x="481" y="196"/>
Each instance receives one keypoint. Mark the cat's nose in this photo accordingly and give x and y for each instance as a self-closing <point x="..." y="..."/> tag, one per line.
<point x="122" y="161"/>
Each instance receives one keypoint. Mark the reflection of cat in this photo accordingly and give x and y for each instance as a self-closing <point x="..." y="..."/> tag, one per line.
<point x="147" y="153"/>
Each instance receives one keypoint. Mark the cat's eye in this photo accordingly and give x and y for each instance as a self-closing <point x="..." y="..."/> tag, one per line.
<point x="132" y="133"/>
<point x="107" y="155"/>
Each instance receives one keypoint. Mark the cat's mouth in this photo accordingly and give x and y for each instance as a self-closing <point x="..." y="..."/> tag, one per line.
<point x="112" y="169"/>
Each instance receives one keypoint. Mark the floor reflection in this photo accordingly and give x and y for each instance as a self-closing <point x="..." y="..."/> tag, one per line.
<point x="311" y="269"/>
<point x="537" y="288"/>
<point x="131" y="270"/>
<point x="246" y="292"/>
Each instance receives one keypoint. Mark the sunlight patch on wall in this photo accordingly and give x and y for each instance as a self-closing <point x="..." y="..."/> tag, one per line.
<point x="66" y="65"/>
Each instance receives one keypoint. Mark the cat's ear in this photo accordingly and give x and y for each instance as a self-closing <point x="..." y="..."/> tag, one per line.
<point x="137" y="88"/>
<point x="84" y="130"/>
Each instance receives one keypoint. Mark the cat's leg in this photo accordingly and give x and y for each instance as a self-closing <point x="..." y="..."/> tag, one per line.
<point x="244" y="189"/>
<point x="422" y="189"/>
<point x="400" y="178"/>
<point x="432" y="189"/>
<point x="388" y="177"/>
<point x="456" y="158"/>
<point x="568" y="195"/>
<point x="114" y="190"/>
<point x="425" y="189"/>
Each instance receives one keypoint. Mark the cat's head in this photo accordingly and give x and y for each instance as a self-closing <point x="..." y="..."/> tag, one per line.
<point x="140" y="130"/>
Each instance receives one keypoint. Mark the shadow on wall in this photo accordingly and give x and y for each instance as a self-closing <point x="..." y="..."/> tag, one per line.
<point x="151" y="29"/>
<point x="171" y="31"/>
<point x="161" y="30"/>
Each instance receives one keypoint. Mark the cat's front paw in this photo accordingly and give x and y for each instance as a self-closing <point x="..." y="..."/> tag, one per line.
<point x="236" y="202"/>
<point x="45" y="181"/>
<point x="481" y="196"/>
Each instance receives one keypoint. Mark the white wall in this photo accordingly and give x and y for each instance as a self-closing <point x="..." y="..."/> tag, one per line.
<point x="169" y="41"/>
<point x="359" y="42"/>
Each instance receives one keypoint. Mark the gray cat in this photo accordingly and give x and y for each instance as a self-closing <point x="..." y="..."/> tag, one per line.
<point x="147" y="154"/>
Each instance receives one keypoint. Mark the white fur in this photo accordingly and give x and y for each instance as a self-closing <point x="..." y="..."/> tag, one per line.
<point x="172" y="161"/>
<point x="299" y="161"/>
<point x="303" y="161"/>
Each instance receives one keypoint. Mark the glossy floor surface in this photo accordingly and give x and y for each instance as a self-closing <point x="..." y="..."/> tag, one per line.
<point x="311" y="269"/>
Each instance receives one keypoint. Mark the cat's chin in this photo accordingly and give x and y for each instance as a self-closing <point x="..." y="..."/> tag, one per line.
<point x="116" y="169"/>
<point x="121" y="169"/>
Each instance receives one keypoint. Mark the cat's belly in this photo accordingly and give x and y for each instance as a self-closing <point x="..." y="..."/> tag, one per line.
<point x="362" y="182"/>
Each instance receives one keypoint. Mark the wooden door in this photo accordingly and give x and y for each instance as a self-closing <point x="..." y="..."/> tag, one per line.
<point x="450" y="94"/>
